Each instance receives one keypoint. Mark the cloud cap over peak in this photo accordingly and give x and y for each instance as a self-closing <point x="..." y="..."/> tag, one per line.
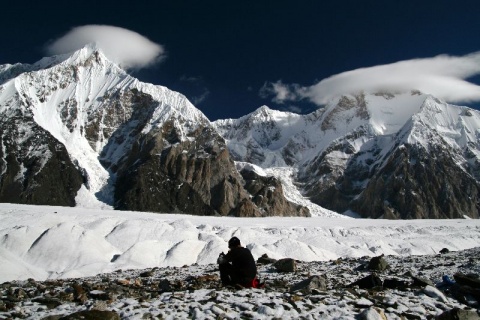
<point x="127" y="48"/>
<point x="442" y="76"/>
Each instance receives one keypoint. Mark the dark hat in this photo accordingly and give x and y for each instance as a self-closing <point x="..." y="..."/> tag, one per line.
<point x="234" y="242"/>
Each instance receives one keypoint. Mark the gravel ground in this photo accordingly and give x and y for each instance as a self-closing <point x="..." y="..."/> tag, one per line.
<point x="195" y="292"/>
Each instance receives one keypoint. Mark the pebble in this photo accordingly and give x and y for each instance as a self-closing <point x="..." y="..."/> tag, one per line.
<point x="183" y="295"/>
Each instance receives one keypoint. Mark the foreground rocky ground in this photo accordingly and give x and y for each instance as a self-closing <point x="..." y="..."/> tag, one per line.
<point x="446" y="286"/>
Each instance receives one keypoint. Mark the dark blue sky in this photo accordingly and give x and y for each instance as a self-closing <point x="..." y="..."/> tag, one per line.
<point x="224" y="51"/>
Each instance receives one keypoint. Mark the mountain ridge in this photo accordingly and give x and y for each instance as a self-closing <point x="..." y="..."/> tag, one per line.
<point x="135" y="146"/>
<point x="129" y="145"/>
<point x="341" y="150"/>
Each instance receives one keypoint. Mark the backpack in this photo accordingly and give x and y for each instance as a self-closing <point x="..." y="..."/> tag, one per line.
<point x="255" y="283"/>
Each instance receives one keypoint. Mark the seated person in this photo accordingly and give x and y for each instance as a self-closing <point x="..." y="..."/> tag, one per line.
<point x="237" y="267"/>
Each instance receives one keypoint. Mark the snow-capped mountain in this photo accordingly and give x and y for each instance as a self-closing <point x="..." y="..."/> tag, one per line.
<point x="78" y="130"/>
<point x="402" y="155"/>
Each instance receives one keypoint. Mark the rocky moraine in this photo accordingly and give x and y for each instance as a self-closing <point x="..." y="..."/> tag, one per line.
<point x="443" y="286"/>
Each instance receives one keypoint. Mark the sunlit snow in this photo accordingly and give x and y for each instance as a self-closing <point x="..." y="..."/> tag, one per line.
<point x="43" y="242"/>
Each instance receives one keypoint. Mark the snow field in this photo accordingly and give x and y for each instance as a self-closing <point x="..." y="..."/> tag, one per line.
<point x="44" y="242"/>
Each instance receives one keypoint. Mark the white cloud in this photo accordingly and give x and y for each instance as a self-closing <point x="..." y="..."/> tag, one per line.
<point x="294" y="109"/>
<point x="199" y="99"/>
<point x="280" y="91"/>
<point x="442" y="76"/>
<point x="124" y="47"/>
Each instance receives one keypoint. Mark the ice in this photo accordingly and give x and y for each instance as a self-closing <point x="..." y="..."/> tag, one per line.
<point x="45" y="242"/>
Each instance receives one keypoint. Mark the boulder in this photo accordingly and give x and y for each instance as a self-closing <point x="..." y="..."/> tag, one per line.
<point x="50" y="303"/>
<point x="146" y="274"/>
<point x="395" y="284"/>
<point x="308" y="285"/>
<point x="286" y="265"/>
<point x="99" y="295"/>
<point x="466" y="294"/>
<point x="372" y="314"/>
<point x="444" y="250"/>
<point x="264" y="259"/>
<point x="367" y="282"/>
<point x="459" y="314"/>
<point x="378" y="264"/>
<point x="164" y="285"/>
<point x="471" y="280"/>
<point x="421" y="281"/>
<point x="92" y="315"/>
<point x="435" y="293"/>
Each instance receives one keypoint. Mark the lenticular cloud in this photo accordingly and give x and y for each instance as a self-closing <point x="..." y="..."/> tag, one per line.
<point x="126" y="48"/>
<point x="442" y="76"/>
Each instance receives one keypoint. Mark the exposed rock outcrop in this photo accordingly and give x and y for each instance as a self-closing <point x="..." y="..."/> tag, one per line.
<point x="168" y="175"/>
<point x="79" y="123"/>
<point x="35" y="168"/>
<point x="267" y="195"/>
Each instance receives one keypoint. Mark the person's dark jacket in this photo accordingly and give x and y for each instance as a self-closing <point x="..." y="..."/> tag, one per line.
<point x="243" y="263"/>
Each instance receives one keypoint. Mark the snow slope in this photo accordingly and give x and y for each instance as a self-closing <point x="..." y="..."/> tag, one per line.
<point x="335" y="155"/>
<point x="68" y="94"/>
<point x="44" y="242"/>
<point x="271" y="133"/>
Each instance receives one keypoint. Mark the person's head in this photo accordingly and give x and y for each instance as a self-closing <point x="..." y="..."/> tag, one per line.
<point x="233" y="243"/>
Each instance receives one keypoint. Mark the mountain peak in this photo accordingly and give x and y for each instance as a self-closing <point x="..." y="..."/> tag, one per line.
<point x="88" y="55"/>
<point x="262" y="111"/>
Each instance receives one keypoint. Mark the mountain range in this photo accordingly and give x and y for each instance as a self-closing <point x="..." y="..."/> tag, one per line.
<point x="77" y="130"/>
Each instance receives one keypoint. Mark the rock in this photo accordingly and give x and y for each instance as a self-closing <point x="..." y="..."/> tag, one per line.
<point x="208" y="278"/>
<point x="266" y="311"/>
<point x="146" y="274"/>
<point x="92" y="315"/>
<point x="194" y="176"/>
<point x="53" y="183"/>
<point x="372" y="314"/>
<point x="434" y="293"/>
<point x="79" y="293"/>
<point x="267" y="195"/>
<point x="466" y="294"/>
<point x="19" y="294"/>
<point x="198" y="288"/>
<point x="100" y="305"/>
<point x="395" y="284"/>
<point x="123" y="282"/>
<point x="411" y="316"/>
<point x="137" y="282"/>
<point x="164" y="285"/>
<point x="459" y="314"/>
<point x="99" y="295"/>
<point x="378" y="264"/>
<point x="363" y="302"/>
<point x="313" y="283"/>
<point x="264" y="259"/>
<point x="50" y="303"/>
<point x="471" y="280"/>
<point x="421" y="281"/>
<point x="286" y="265"/>
<point x="367" y="282"/>
<point x="444" y="250"/>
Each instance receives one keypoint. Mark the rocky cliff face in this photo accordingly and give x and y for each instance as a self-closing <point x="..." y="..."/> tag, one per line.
<point x="35" y="168"/>
<point x="78" y="130"/>
<point x="267" y="193"/>
<point x="396" y="156"/>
